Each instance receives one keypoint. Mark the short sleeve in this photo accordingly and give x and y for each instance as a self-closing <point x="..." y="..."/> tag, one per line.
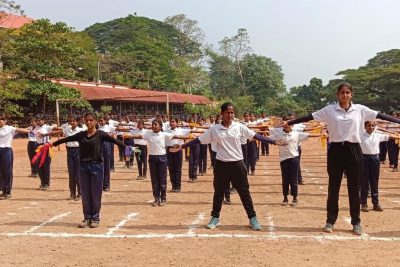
<point x="322" y="114"/>
<point x="13" y="130"/>
<point x="168" y="136"/>
<point x="49" y="128"/>
<point x="368" y="114"/>
<point x="246" y="132"/>
<point x="303" y="136"/>
<point x="383" y="137"/>
<point x="207" y="137"/>
<point x="146" y="136"/>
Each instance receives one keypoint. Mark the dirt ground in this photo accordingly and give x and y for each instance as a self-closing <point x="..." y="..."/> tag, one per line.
<point x="39" y="228"/>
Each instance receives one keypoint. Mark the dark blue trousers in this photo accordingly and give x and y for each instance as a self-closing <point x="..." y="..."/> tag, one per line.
<point x="91" y="180"/>
<point x="252" y="153"/>
<point x="121" y="151"/>
<point x="32" y="145"/>
<point x="393" y="150"/>
<point x="106" y="164"/>
<point x="128" y="160"/>
<point x="141" y="160"/>
<point x="175" y="168"/>
<point x="203" y="159"/>
<point x="289" y="169"/>
<point x="194" y="155"/>
<point x="6" y="169"/>
<point x="245" y="153"/>
<point x="370" y="178"/>
<point x="73" y="163"/>
<point x="383" y="149"/>
<point x="264" y="148"/>
<point x="44" y="172"/>
<point x="213" y="156"/>
<point x="112" y="167"/>
<point x="158" y="173"/>
<point x="299" y="176"/>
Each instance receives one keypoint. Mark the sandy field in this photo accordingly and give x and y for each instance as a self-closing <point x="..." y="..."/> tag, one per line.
<point x="39" y="228"/>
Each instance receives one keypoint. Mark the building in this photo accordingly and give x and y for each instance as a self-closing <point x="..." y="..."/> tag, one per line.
<point x="128" y="100"/>
<point x="10" y="21"/>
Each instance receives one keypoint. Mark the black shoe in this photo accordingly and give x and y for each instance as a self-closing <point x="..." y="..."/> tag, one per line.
<point x="377" y="207"/>
<point x="227" y="201"/>
<point x="155" y="203"/>
<point x="162" y="203"/>
<point x="107" y="189"/>
<point x="94" y="224"/>
<point x="364" y="208"/>
<point x="301" y="182"/>
<point x="285" y="202"/>
<point x="84" y="224"/>
<point x="71" y="197"/>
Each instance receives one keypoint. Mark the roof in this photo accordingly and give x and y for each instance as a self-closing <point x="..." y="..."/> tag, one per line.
<point x="95" y="91"/>
<point x="10" y="21"/>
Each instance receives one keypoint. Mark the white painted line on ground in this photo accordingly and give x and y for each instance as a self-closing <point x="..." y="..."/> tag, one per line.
<point x="25" y="208"/>
<point x="271" y="225"/>
<point x="195" y="224"/>
<point x="221" y="235"/>
<point x="321" y="187"/>
<point x="11" y="213"/>
<point x="117" y="227"/>
<point x="150" y="201"/>
<point x="395" y="201"/>
<point x="55" y="218"/>
<point x="347" y="220"/>
<point x="33" y="203"/>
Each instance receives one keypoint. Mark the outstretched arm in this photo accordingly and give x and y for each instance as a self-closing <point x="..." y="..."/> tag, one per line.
<point x="387" y="118"/>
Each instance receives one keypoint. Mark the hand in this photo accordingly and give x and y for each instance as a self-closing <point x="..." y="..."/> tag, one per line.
<point x="281" y="143"/>
<point x="280" y="124"/>
<point x="175" y="149"/>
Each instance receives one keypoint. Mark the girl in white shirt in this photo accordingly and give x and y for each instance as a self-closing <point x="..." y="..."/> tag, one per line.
<point x="6" y="155"/>
<point x="31" y="148"/>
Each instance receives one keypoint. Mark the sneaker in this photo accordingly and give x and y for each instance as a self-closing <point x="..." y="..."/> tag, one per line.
<point x="40" y="187"/>
<point x="84" y="224"/>
<point x="106" y="189"/>
<point x="78" y="197"/>
<point x="94" y="224"/>
<point x="162" y="203"/>
<point x="328" y="228"/>
<point x="232" y="190"/>
<point x="364" y="208"/>
<point x="285" y="202"/>
<point x="254" y="224"/>
<point x="139" y="177"/>
<point x="71" y="197"/>
<point x="213" y="223"/>
<point x="154" y="203"/>
<point x="5" y="196"/>
<point x="227" y="202"/>
<point x="377" y="207"/>
<point x="301" y="182"/>
<point x="357" y="230"/>
<point x="294" y="203"/>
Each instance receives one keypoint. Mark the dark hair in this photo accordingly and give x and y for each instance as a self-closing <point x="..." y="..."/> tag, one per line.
<point x="366" y="122"/>
<point x="74" y="117"/>
<point x="40" y="117"/>
<point x="157" y="121"/>
<point x="225" y="106"/>
<point x="93" y="115"/>
<point x="246" y="114"/>
<point x="285" y="118"/>
<point x="173" y="119"/>
<point x="141" y="121"/>
<point x="344" y="85"/>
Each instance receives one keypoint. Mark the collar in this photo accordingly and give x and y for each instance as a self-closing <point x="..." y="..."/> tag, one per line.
<point x="338" y="107"/>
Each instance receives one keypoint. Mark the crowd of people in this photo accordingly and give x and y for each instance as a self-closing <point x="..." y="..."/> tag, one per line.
<point x="358" y="141"/>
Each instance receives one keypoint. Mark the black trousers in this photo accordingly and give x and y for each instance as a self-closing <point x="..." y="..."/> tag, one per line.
<point x="32" y="145"/>
<point x="289" y="169"/>
<point x="128" y="159"/>
<point x="235" y="172"/>
<point x="203" y="158"/>
<point x="252" y="154"/>
<point x="141" y="160"/>
<point x="44" y="171"/>
<point x="299" y="176"/>
<point x="393" y="151"/>
<point x="344" y="157"/>
<point x="174" y="161"/>
<point x="158" y="173"/>
<point x="370" y="178"/>
<point x="244" y="153"/>
<point x="73" y="164"/>
<point x="194" y="155"/>
<point x="121" y="151"/>
<point x="383" y="149"/>
<point x="6" y="169"/>
<point x="264" y="148"/>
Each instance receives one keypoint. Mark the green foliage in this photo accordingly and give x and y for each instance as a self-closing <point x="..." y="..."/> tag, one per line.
<point x="10" y="7"/>
<point x="204" y="111"/>
<point x="313" y="94"/>
<point x="105" y="109"/>
<point x="284" y="104"/>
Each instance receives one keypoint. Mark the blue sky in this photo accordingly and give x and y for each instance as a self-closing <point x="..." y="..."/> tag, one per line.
<point x="308" y="38"/>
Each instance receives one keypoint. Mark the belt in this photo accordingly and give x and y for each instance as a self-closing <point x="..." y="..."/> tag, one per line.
<point x="344" y="143"/>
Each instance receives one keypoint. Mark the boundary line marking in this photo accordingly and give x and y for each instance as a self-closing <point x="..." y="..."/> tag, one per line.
<point x="118" y="226"/>
<point x="195" y="223"/>
<point x="55" y="218"/>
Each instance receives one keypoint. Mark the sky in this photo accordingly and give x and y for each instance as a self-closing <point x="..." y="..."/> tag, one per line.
<point x="307" y="38"/>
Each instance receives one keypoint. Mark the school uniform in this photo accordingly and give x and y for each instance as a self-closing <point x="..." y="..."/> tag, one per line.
<point x="128" y="159"/>
<point x="107" y="154"/>
<point x="141" y="158"/>
<point x="91" y="169"/>
<point x="31" y="148"/>
<point x="393" y="153"/>
<point x="194" y="161"/>
<point x="203" y="158"/>
<point x="44" y="171"/>
<point x="371" y="165"/>
<point x="299" y="128"/>
<point x="174" y="160"/>
<point x="73" y="160"/>
<point x="344" y="154"/>
<point x="264" y="145"/>
<point x="252" y="152"/>
<point x="6" y="158"/>
<point x="158" y="163"/>
<point x="121" y="152"/>
<point x="289" y="160"/>
<point x="114" y="124"/>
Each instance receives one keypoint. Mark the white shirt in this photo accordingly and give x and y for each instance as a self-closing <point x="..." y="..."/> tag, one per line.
<point x="139" y="132"/>
<point x="345" y="125"/>
<point x="113" y="123"/>
<point x="68" y="131"/>
<point x="291" y="150"/>
<point x="227" y="140"/>
<point x="370" y="142"/>
<point x="178" y="132"/>
<point x="6" y="136"/>
<point x="166" y="126"/>
<point x="107" y="128"/>
<point x="44" y="129"/>
<point x="32" y="135"/>
<point x="157" y="142"/>
<point x="298" y="127"/>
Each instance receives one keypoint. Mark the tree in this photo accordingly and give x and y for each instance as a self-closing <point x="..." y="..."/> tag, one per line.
<point x="282" y="105"/>
<point x="311" y="94"/>
<point x="9" y="7"/>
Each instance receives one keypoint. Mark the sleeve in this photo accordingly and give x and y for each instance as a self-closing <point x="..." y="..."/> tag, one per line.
<point x="322" y="114"/>
<point x="145" y="136"/>
<point x="302" y="137"/>
<point x="261" y="138"/>
<point x="246" y="132"/>
<point x="13" y="130"/>
<point x="206" y="137"/>
<point x="168" y="136"/>
<point x="72" y="138"/>
<point x="111" y="139"/>
<point x="383" y="137"/>
<point x="368" y="114"/>
<point x="49" y="129"/>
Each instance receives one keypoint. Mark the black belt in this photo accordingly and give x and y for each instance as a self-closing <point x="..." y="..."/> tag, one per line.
<point x="344" y="143"/>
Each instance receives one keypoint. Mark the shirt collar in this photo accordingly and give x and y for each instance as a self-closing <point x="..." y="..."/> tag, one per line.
<point x="338" y="107"/>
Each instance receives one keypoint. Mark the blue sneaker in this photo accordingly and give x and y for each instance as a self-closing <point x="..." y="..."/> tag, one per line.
<point x="213" y="223"/>
<point x="254" y="224"/>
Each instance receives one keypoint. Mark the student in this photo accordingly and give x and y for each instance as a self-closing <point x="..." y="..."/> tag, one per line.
<point x="113" y="124"/>
<point x="344" y="121"/>
<point x="202" y="154"/>
<point x="289" y="161"/>
<point x="6" y="156"/>
<point x="300" y="127"/>
<point x="31" y="148"/>
<point x="194" y="158"/>
<point x="157" y="160"/>
<point x="141" y="158"/>
<point x="43" y="132"/>
<point x="370" y="141"/>
<point x="210" y="148"/>
<point x="175" y="159"/>
<point x="91" y="168"/>
<point x="229" y="166"/>
<point x="107" y="153"/>
<point x="73" y="156"/>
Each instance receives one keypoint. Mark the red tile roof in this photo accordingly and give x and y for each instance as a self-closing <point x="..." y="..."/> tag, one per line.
<point x="10" y="21"/>
<point x="95" y="91"/>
